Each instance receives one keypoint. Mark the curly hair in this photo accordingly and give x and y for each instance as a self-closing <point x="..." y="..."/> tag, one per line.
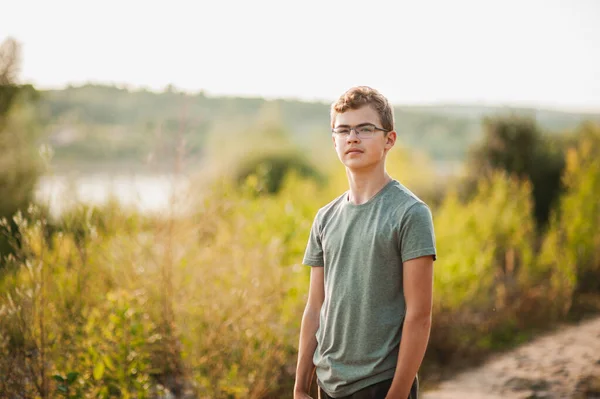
<point x="360" y="96"/>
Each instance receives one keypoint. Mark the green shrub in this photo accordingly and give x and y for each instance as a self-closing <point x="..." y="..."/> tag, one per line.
<point x="271" y="170"/>
<point x="485" y="245"/>
<point x="516" y="145"/>
<point x="485" y="249"/>
<point x="571" y="250"/>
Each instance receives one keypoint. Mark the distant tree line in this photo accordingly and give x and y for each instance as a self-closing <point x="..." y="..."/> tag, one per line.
<point x="134" y="118"/>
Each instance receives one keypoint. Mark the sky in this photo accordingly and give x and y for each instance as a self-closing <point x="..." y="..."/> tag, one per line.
<point x="543" y="53"/>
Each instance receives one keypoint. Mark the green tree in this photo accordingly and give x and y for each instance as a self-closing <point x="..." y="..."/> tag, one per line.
<point x="19" y="166"/>
<point x="516" y="145"/>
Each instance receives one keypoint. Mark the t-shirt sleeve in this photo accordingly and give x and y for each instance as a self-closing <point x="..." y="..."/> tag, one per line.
<point x="313" y="256"/>
<point x="417" y="237"/>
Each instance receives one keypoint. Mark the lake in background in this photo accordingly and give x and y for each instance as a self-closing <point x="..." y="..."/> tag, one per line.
<point x="146" y="193"/>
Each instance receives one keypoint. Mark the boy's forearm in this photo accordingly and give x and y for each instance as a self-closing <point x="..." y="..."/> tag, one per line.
<point x="307" y="347"/>
<point x="415" y="336"/>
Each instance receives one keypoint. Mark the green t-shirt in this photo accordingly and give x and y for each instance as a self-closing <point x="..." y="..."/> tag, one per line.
<point x="362" y="248"/>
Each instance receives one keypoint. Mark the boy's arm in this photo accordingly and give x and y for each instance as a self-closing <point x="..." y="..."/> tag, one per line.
<point x="418" y="288"/>
<point x="308" y="331"/>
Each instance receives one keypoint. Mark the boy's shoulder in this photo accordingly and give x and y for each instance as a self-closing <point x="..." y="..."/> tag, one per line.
<point x="334" y="204"/>
<point x="402" y="194"/>
<point x="403" y="200"/>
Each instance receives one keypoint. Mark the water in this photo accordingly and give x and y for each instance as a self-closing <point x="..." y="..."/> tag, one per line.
<point x="146" y="193"/>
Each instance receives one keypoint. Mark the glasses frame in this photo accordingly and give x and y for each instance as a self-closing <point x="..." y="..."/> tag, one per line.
<point x="351" y="128"/>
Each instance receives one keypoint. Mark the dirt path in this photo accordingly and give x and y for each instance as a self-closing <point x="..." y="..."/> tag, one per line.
<point x="563" y="364"/>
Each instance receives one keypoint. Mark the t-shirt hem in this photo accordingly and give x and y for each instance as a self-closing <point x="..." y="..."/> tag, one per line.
<point x="357" y="386"/>
<point x="313" y="262"/>
<point x="419" y="253"/>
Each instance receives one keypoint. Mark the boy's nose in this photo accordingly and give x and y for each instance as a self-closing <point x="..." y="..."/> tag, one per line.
<point x="352" y="136"/>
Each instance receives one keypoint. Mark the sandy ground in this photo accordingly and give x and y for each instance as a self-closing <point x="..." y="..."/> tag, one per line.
<point x="562" y="364"/>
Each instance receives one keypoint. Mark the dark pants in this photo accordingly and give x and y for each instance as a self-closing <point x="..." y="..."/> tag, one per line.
<point x="376" y="391"/>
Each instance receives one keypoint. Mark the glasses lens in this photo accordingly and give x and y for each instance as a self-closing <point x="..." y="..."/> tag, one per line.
<point x="366" y="130"/>
<point x="341" y="130"/>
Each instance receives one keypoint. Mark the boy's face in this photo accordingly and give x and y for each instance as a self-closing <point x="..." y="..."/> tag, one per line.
<point x="358" y="153"/>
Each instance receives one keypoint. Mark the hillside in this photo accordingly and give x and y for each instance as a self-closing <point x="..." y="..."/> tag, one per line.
<point x="100" y="125"/>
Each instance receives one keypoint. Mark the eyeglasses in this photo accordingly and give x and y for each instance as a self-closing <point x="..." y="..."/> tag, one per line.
<point x="363" y="131"/>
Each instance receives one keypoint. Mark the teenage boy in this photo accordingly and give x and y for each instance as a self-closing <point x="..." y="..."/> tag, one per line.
<point x="367" y="320"/>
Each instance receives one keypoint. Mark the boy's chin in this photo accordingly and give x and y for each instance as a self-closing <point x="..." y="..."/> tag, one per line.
<point x="355" y="166"/>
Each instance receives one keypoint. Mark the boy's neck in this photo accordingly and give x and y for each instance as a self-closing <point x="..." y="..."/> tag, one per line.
<point x="364" y="185"/>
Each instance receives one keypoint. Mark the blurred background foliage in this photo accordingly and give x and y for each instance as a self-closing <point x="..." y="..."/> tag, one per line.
<point x="19" y="163"/>
<point x="108" y="301"/>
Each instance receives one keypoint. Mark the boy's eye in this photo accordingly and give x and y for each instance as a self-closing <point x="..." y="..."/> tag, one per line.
<point x="342" y="131"/>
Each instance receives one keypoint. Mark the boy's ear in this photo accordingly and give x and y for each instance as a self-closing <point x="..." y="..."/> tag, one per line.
<point x="391" y="138"/>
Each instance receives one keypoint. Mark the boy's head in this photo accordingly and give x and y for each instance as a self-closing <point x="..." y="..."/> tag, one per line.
<point x="360" y="96"/>
<point x="362" y="124"/>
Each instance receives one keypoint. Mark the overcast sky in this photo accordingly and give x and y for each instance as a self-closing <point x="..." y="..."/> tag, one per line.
<point x="508" y="52"/>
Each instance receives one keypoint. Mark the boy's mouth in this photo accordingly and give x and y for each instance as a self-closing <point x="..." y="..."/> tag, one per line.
<point x="353" y="150"/>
